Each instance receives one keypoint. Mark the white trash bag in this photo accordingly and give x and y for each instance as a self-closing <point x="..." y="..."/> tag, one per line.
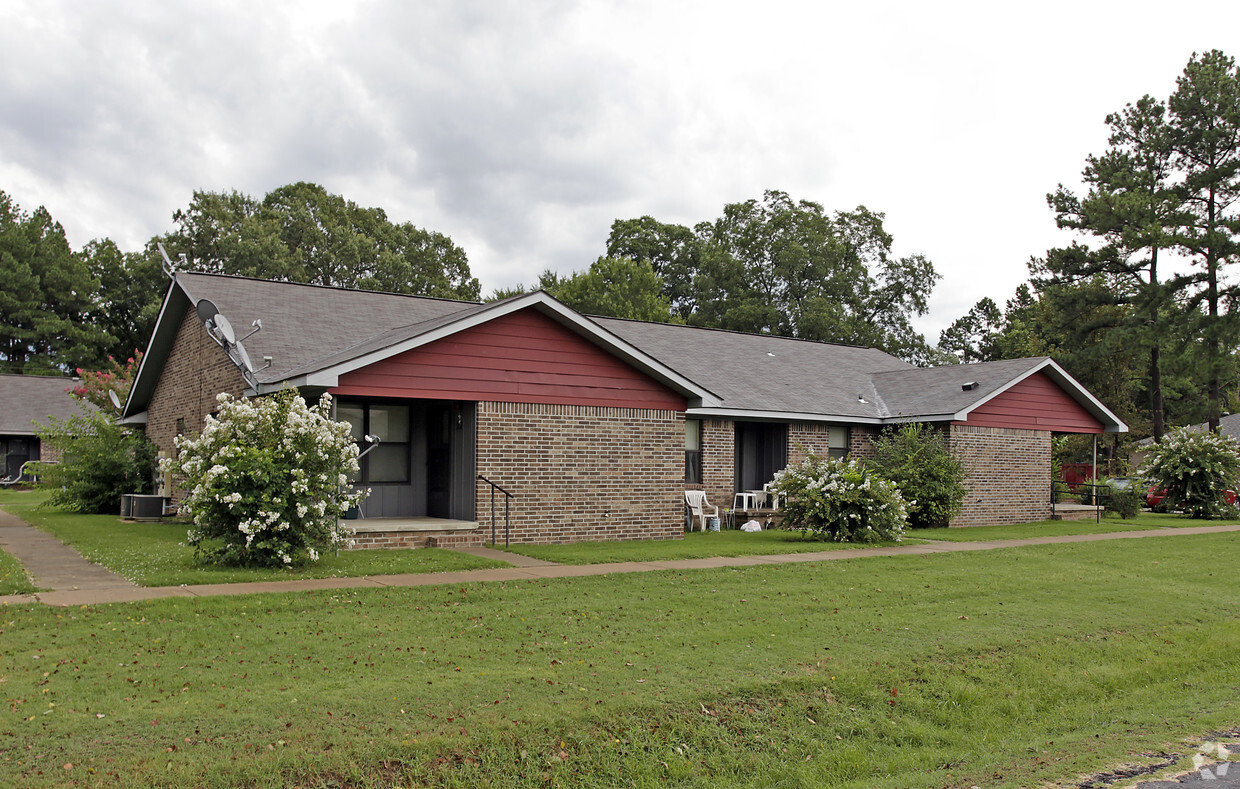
<point x="751" y="526"/>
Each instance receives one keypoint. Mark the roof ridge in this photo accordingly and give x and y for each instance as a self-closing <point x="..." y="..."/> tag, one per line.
<point x="737" y="331"/>
<point x="326" y="287"/>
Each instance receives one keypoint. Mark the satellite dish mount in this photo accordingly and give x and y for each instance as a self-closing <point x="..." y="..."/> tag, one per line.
<point x="221" y="330"/>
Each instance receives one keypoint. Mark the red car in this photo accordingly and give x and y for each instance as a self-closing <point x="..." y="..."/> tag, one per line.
<point x="1155" y="495"/>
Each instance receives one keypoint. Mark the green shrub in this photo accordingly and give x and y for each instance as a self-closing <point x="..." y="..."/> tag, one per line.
<point x="931" y="480"/>
<point x="266" y="481"/>
<point x="1125" y="502"/>
<point x="1194" y="468"/>
<point x="100" y="461"/>
<point x="840" y="500"/>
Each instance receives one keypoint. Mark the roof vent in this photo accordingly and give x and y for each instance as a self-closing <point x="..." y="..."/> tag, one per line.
<point x="968" y="387"/>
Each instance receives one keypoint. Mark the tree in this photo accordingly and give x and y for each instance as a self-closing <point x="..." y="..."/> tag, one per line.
<point x="613" y="287"/>
<point x="45" y="296"/>
<point x="302" y="233"/>
<point x="1133" y="206"/>
<point x="973" y="337"/>
<point x="674" y="252"/>
<point x="131" y="290"/>
<point x="786" y="267"/>
<point x="1205" y="138"/>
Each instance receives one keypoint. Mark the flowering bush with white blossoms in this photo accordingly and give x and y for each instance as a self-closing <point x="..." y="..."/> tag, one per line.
<point x="840" y="500"/>
<point x="1195" y="468"/>
<point x="267" y="481"/>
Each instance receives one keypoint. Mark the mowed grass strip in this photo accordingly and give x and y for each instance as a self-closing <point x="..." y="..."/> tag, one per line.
<point x="13" y="578"/>
<point x="1143" y="522"/>
<point x="156" y="554"/>
<point x="1010" y="668"/>
<point x="695" y="545"/>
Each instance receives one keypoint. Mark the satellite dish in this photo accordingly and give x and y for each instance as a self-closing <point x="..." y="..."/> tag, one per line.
<point x="225" y="329"/>
<point x="116" y="400"/>
<point x="206" y="310"/>
<point x="240" y="357"/>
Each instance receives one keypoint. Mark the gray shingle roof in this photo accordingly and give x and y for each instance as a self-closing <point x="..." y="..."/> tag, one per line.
<point x="307" y="326"/>
<point x="937" y="390"/>
<point x="755" y="372"/>
<point x="26" y="399"/>
<point x="309" y="329"/>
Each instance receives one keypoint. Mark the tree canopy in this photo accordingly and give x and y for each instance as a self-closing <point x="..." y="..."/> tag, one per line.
<point x="303" y="233"/>
<point x="65" y="310"/>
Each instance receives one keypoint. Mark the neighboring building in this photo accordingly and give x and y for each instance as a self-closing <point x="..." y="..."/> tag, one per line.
<point x="1228" y="425"/>
<point x="595" y="425"/>
<point x="24" y="401"/>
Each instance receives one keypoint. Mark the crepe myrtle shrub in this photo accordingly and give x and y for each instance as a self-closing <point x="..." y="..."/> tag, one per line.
<point x="917" y="459"/>
<point x="1194" y="468"/>
<point x="840" y="500"/>
<point x="267" y="481"/>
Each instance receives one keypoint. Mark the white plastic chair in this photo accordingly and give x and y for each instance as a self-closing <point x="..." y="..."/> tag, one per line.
<point x="771" y="495"/>
<point x="699" y="508"/>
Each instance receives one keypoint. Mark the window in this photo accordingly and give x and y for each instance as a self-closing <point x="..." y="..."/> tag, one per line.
<point x="388" y="462"/>
<point x="693" y="451"/>
<point x="838" y="442"/>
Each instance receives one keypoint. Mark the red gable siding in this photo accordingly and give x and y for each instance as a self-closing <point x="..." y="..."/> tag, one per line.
<point x="523" y="357"/>
<point x="1036" y="403"/>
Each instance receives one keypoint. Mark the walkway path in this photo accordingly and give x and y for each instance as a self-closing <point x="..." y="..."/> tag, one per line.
<point x="72" y="580"/>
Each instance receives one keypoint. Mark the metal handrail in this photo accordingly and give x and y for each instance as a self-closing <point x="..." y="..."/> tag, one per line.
<point x="1098" y="493"/>
<point x="507" y="499"/>
<point x="22" y="473"/>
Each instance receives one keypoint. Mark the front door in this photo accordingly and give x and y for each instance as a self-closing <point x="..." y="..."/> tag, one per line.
<point x="761" y="450"/>
<point x="439" y="460"/>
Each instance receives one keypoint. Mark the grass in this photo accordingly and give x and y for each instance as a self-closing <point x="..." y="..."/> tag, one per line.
<point x="695" y="545"/>
<point x="13" y="578"/>
<point x="155" y="554"/>
<point x="1007" y="668"/>
<point x="1144" y="521"/>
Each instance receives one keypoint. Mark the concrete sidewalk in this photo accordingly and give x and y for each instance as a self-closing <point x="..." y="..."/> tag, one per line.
<point x="74" y="581"/>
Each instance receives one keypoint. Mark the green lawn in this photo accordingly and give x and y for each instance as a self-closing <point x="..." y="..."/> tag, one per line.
<point x="1146" y="520"/>
<point x="155" y="554"/>
<point x="13" y="578"/>
<point x="695" y="545"/>
<point x="1008" y="668"/>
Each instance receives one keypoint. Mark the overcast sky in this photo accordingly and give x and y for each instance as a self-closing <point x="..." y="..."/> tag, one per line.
<point x="523" y="129"/>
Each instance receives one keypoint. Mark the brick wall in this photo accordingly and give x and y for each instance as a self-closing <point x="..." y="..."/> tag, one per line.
<point x="808" y="437"/>
<point x="583" y="472"/>
<point x="1008" y="474"/>
<point x="718" y="462"/>
<point x="196" y="371"/>
<point x="860" y="441"/>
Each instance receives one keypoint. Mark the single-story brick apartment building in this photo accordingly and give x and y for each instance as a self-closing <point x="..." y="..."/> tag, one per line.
<point x="596" y="426"/>
<point x="26" y="402"/>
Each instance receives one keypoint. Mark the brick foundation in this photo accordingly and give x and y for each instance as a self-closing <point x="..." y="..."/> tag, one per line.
<point x="378" y="540"/>
<point x="582" y="472"/>
<point x="1008" y="474"/>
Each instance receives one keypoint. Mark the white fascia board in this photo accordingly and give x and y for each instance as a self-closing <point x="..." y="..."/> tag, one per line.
<point x="903" y="420"/>
<point x="781" y="416"/>
<point x="146" y="357"/>
<point x="1076" y="391"/>
<point x="134" y="419"/>
<point x="561" y="314"/>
